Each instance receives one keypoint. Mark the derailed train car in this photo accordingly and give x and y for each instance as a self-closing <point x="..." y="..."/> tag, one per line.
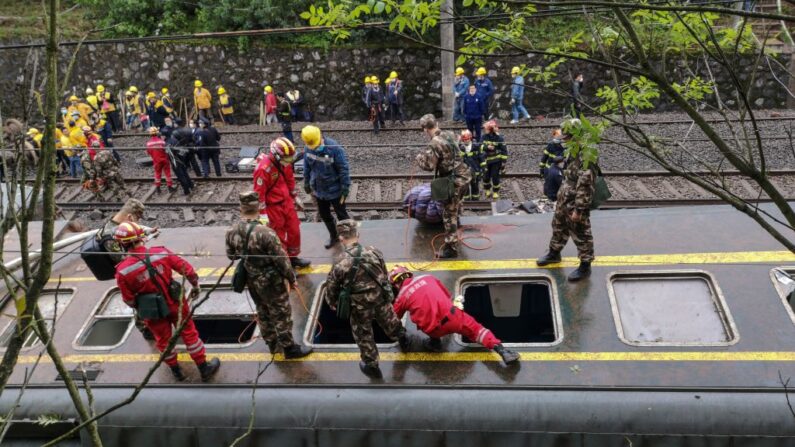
<point x="681" y="337"/>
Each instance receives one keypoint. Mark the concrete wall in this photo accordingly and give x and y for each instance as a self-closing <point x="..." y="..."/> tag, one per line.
<point x="330" y="80"/>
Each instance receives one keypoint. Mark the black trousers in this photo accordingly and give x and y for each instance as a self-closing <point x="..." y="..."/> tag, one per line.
<point x="324" y="210"/>
<point x="378" y="120"/>
<point x="395" y="111"/>
<point x="181" y="171"/>
<point x="209" y="153"/>
<point x="287" y="130"/>
<point x="115" y="120"/>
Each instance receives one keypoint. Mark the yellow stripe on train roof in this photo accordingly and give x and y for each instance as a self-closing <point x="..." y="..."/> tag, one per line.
<point x="479" y="356"/>
<point x="737" y="257"/>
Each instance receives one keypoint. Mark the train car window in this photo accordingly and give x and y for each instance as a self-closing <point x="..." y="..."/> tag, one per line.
<point x="109" y="325"/>
<point x="521" y="310"/>
<point x="47" y="306"/>
<point x="670" y="308"/>
<point x="325" y="329"/>
<point x="784" y="281"/>
<point x="227" y="319"/>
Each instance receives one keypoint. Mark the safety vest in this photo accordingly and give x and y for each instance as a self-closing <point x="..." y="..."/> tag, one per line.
<point x="111" y="105"/>
<point x="93" y="102"/>
<point x="166" y="99"/>
<point x="226" y="104"/>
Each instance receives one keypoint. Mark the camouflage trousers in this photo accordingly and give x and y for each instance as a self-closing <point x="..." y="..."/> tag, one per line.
<point x="274" y="313"/>
<point x="452" y="211"/>
<point x="580" y="232"/>
<point x="114" y="183"/>
<point x="362" y="316"/>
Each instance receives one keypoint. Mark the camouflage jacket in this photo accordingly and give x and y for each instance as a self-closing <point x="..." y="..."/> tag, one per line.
<point x="442" y="155"/>
<point x="105" y="165"/>
<point x="274" y="262"/>
<point x="110" y="245"/>
<point x="364" y="288"/>
<point x="578" y="187"/>
<point x="88" y="167"/>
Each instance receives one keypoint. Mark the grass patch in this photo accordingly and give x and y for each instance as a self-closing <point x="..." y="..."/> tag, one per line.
<point x="22" y="21"/>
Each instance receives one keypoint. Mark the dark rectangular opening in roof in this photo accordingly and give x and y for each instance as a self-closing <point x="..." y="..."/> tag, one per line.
<point x="517" y="312"/>
<point x="227" y="318"/>
<point x="109" y="324"/>
<point x="105" y="332"/>
<point x="225" y="330"/>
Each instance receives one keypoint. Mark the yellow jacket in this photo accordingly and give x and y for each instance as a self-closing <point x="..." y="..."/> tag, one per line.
<point x="77" y="137"/>
<point x="93" y="101"/>
<point x="85" y="110"/>
<point x="167" y="102"/>
<point x="226" y="104"/>
<point x="37" y="139"/>
<point x="202" y="98"/>
<point x="111" y="105"/>
<point x="65" y="143"/>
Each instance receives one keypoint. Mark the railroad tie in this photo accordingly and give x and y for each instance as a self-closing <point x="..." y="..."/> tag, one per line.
<point x="188" y="215"/>
<point x="59" y="190"/>
<point x="517" y="191"/>
<point x="398" y="191"/>
<point x="752" y="193"/>
<point x="671" y="190"/>
<point x="619" y="189"/>
<point x="352" y="193"/>
<point x="74" y="193"/>
<point x="227" y="193"/>
<point x="643" y="189"/>
<point x="377" y="191"/>
<point x="148" y="195"/>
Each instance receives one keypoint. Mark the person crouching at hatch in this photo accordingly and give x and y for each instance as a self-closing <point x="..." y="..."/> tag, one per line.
<point x="358" y="282"/>
<point x="145" y="280"/>
<point x="431" y="308"/>
<point x="275" y="183"/>
<point x="270" y="276"/>
<point x="326" y="177"/>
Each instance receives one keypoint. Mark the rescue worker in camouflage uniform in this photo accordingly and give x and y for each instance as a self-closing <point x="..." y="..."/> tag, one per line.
<point x="572" y="215"/>
<point x="443" y="157"/>
<point x="472" y="154"/>
<point x="370" y="295"/>
<point x="108" y="170"/>
<point x="132" y="211"/>
<point x="270" y="276"/>
<point x="89" y="178"/>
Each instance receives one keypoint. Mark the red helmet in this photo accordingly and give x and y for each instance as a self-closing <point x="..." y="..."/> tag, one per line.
<point x="466" y="136"/>
<point x="398" y="275"/>
<point x="128" y="233"/>
<point x="283" y="148"/>
<point x="491" y="126"/>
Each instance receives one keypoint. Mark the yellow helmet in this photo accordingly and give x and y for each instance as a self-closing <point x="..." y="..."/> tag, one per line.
<point x="89" y="91"/>
<point x="388" y="80"/>
<point x="481" y="71"/>
<point x="151" y="95"/>
<point x="134" y="89"/>
<point x="459" y="71"/>
<point x="100" y="88"/>
<point x="515" y="70"/>
<point x="164" y="90"/>
<point x="393" y="75"/>
<point x="311" y="136"/>
<point x="73" y="98"/>
<point x="367" y="79"/>
<point x="33" y="131"/>
<point x="197" y="83"/>
<point x="221" y="90"/>
<point x="268" y="89"/>
<point x="374" y="80"/>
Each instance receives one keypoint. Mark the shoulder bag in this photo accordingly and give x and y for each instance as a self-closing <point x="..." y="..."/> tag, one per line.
<point x="240" y="278"/>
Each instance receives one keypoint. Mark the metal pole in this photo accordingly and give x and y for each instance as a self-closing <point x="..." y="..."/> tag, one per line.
<point x="447" y="29"/>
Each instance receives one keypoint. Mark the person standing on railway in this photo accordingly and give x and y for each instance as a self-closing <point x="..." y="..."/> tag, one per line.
<point x="395" y="94"/>
<point x="366" y="92"/>
<point x="444" y="159"/>
<point x="472" y="153"/>
<point x="576" y="95"/>
<point x="168" y="103"/>
<point x="431" y="307"/>
<point x="203" y="101"/>
<point x="275" y="183"/>
<point x="461" y="87"/>
<point x="146" y="283"/>
<point x="156" y="110"/>
<point x="156" y="148"/>
<point x="572" y="214"/>
<point x="485" y="89"/>
<point x="207" y="139"/>
<point x="375" y="102"/>
<point x="495" y="159"/>
<point x="179" y="142"/>
<point x="285" y="117"/>
<point x="271" y="103"/>
<point x="361" y="276"/>
<point x="552" y="163"/>
<point x="326" y="177"/>
<point x="109" y="107"/>
<point x="227" y="106"/>
<point x="517" y="96"/>
<point x="473" y="112"/>
<point x="270" y="276"/>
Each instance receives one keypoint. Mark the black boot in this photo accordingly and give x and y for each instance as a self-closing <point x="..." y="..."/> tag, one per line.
<point x="176" y="371"/>
<point x="209" y="368"/>
<point x="300" y="263"/>
<point x="432" y="344"/>
<point x="583" y="271"/>
<point x="447" y="252"/>
<point x="331" y="226"/>
<point x="553" y="257"/>
<point x="404" y="341"/>
<point x="297" y="351"/>
<point x="371" y="370"/>
<point x="507" y="355"/>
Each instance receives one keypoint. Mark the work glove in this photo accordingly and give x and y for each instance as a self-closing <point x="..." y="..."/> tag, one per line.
<point x="459" y="302"/>
<point x="543" y="172"/>
<point x="307" y="188"/>
<point x="263" y="219"/>
<point x="344" y="195"/>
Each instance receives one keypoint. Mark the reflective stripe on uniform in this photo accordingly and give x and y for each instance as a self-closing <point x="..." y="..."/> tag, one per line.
<point x="139" y="264"/>
<point x="196" y="347"/>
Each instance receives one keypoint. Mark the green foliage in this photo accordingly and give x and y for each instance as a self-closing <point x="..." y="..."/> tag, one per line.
<point x="585" y="139"/>
<point x="48" y="419"/>
<point x="637" y="95"/>
<point x="141" y="17"/>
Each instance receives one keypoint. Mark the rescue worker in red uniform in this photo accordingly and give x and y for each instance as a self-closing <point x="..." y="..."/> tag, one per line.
<point x="134" y="281"/>
<point x="275" y="184"/>
<point x="156" y="148"/>
<point x="431" y="308"/>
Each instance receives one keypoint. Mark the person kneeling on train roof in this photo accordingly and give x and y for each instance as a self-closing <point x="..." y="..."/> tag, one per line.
<point x="444" y="159"/>
<point x="269" y="276"/>
<point x="358" y="288"/>
<point x="326" y="177"/>
<point x="430" y="307"/>
<point x="572" y="213"/>
<point x="145" y="279"/>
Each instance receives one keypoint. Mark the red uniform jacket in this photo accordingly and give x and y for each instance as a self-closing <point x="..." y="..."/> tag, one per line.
<point x="270" y="103"/>
<point x="90" y="139"/>
<point x="274" y="183"/>
<point x="156" y="148"/>
<point x="132" y="276"/>
<point x="426" y="299"/>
